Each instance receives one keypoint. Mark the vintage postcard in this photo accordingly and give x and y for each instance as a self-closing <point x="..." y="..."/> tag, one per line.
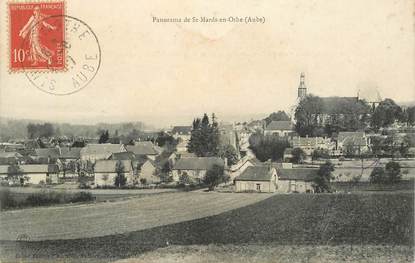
<point x="207" y="131"/>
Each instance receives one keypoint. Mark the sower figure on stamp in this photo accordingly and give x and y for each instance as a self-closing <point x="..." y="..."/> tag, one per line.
<point x="38" y="51"/>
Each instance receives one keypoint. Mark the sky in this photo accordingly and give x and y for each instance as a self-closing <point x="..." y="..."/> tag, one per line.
<point x="168" y="73"/>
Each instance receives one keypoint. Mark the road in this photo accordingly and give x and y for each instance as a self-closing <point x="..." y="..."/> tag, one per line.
<point x="122" y="216"/>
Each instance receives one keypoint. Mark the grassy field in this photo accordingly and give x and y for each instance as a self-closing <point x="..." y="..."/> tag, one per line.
<point x="274" y="253"/>
<point x="121" y="216"/>
<point x="402" y="186"/>
<point x="345" y="221"/>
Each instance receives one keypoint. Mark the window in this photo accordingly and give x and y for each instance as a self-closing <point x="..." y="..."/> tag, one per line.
<point x="258" y="187"/>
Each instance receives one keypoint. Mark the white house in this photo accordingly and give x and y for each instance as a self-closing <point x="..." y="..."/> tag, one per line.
<point x="238" y="168"/>
<point x="182" y="134"/>
<point x="296" y="179"/>
<point x="257" y="179"/>
<point x="352" y="143"/>
<point x="30" y="173"/>
<point x="309" y="144"/>
<point x="105" y="172"/>
<point x="147" y="172"/>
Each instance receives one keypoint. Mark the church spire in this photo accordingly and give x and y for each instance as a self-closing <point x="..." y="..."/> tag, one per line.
<point x="302" y="89"/>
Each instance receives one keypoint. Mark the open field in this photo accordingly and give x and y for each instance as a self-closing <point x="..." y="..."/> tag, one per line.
<point x="296" y="220"/>
<point x="107" y="218"/>
<point x="402" y="186"/>
<point x="275" y="253"/>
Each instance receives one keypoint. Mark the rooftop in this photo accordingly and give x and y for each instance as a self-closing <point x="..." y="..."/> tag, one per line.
<point x="299" y="174"/>
<point x="256" y="173"/>
<point x="197" y="163"/>
<point x="279" y="125"/>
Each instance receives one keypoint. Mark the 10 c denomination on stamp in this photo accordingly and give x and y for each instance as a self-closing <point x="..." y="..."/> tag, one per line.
<point x="37" y="43"/>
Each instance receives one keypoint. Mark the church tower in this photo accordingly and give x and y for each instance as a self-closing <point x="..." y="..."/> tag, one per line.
<point x="302" y="89"/>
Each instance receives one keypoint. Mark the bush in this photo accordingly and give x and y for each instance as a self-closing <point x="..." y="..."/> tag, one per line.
<point x="81" y="197"/>
<point x="6" y="199"/>
<point x="298" y="155"/>
<point x="44" y="198"/>
<point x="215" y="176"/>
<point x="389" y="175"/>
<point x="321" y="182"/>
<point x="377" y="176"/>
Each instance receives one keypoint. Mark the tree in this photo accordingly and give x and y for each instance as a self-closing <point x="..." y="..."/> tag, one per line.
<point x="79" y="144"/>
<point x="143" y="181"/>
<point x="277" y="116"/>
<point x="298" y="155"/>
<point x="388" y="175"/>
<point x="377" y="176"/>
<point x="229" y="152"/>
<point x="120" y="179"/>
<point x="215" y="176"/>
<point x="410" y="116"/>
<point x="307" y="114"/>
<point x="267" y="147"/>
<point x="45" y="130"/>
<point x="393" y="172"/>
<point x="323" y="178"/>
<point x="15" y="173"/>
<point x="185" y="179"/>
<point x="167" y="141"/>
<point x="376" y="145"/>
<point x="385" y="114"/>
<point x="320" y="153"/>
<point x="204" y="139"/>
<point x="104" y="138"/>
<point x="408" y="141"/>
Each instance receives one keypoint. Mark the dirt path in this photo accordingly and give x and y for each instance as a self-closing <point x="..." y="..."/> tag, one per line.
<point x="92" y="220"/>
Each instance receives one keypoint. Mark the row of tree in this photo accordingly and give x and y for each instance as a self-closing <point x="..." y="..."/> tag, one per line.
<point x="313" y="118"/>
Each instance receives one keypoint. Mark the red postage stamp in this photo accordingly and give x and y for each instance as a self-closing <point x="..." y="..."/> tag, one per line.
<point x="37" y="36"/>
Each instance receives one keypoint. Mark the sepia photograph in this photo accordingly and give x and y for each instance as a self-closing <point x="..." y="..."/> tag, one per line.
<point x="207" y="131"/>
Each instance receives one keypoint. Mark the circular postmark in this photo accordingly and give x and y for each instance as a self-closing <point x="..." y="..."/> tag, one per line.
<point x="79" y="50"/>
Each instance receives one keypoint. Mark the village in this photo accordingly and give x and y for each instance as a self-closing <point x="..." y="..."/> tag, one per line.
<point x="357" y="138"/>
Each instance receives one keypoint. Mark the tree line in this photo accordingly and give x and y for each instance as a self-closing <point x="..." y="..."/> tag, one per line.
<point x="313" y="119"/>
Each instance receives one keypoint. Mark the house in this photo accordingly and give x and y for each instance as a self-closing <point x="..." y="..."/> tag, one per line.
<point x="47" y="155"/>
<point x="309" y="144"/>
<point x="279" y="128"/>
<point x="143" y="149"/>
<point x="30" y="174"/>
<point x="105" y="171"/>
<point x="238" y="168"/>
<point x="296" y="179"/>
<point x="94" y="152"/>
<point x="194" y="167"/>
<point x="147" y="172"/>
<point x="70" y="153"/>
<point x="69" y="161"/>
<point x="351" y="143"/>
<point x="257" y="179"/>
<point x="228" y="136"/>
<point x="11" y="147"/>
<point x="182" y="134"/>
